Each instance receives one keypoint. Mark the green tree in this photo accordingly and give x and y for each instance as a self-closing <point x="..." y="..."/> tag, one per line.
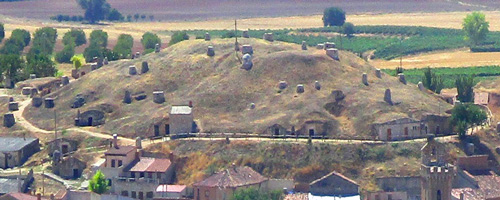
<point x="178" y="37"/>
<point x="77" y="62"/>
<point x="124" y="45"/>
<point x="151" y="17"/>
<point x="95" y="10"/>
<point x="44" y="41"/>
<point x="143" y="16"/>
<point x="99" y="38"/>
<point x="10" y="66"/>
<point x="432" y="81"/>
<point x="76" y="36"/>
<point x="93" y="51"/>
<point x="475" y="27"/>
<point x="2" y="32"/>
<point x="98" y="183"/>
<point x="129" y="18"/>
<point x="40" y="64"/>
<point x="465" y="116"/>
<point x="465" y="88"/>
<point x="254" y="194"/>
<point x="149" y="40"/>
<point x="12" y="46"/>
<point x="65" y="55"/>
<point x="348" y="29"/>
<point x="21" y="35"/>
<point x="114" y="15"/>
<point x="333" y="16"/>
<point x="136" y="16"/>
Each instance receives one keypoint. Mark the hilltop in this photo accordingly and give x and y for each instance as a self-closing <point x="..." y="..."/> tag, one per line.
<point x="222" y="92"/>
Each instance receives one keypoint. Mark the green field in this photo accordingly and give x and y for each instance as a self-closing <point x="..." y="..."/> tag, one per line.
<point x="450" y="74"/>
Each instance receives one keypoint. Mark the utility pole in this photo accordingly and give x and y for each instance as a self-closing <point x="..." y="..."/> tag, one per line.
<point x="401" y="52"/>
<point x="236" y="47"/>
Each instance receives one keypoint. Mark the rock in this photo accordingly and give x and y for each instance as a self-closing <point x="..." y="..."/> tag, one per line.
<point x="127" y="98"/>
<point x="8" y="120"/>
<point x="13" y="106"/>
<point x="210" y="51"/>
<point x="26" y="90"/>
<point x="132" y="70"/>
<point x="304" y="45"/>
<point x="378" y="73"/>
<point x="317" y="85"/>
<point x="244" y="34"/>
<point x="300" y="88"/>
<point x="78" y="102"/>
<point x="65" y="80"/>
<point x="37" y="101"/>
<point x="421" y="86"/>
<point x="207" y="36"/>
<point x="402" y="78"/>
<point x="93" y="66"/>
<point x="268" y="37"/>
<point x="252" y="106"/>
<point x="282" y="85"/>
<point x="247" y="62"/>
<point x="333" y="53"/>
<point x="144" y="67"/>
<point x="33" y="92"/>
<point x="365" y="79"/>
<point x="32" y="76"/>
<point x="49" y="102"/>
<point x="388" y="96"/>
<point x="320" y="46"/>
<point x="158" y="97"/>
<point x="137" y="54"/>
<point x="246" y="49"/>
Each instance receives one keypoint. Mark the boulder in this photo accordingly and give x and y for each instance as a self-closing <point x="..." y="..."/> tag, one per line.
<point x="300" y="88"/>
<point x="329" y="45"/>
<point x="378" y="73"/>
<point x="282" y="85"/>
<point x="317" y="85"/>
<point x="8" y="120"/>
<point x="268" y="37"/>
<point x="32" y="76"/>
<point x="402" y="78"/>
<point x="333" y="53"/>
<point x="304" y="45"/>
<point x="207" y="36"/>
<point x="157" y="48"/>
<point x="127" y="98"/>
<point x="247" y="49"/>
<point x="65" y="80"/>
<point x="26" y="90"/>
<point x="144" y="67"/>
<point x="247" y="62"/>
<point x="37" y="101"/>
<point x="388" y="96"/>
<point x="132" y="70"/>
<point x="78" y="102"/>
<point x="244" y="34"/>
<point x="364" y="79"/>
<point x="320" y="46"/>
<point x="158" y="97"/>
<point x="210" y="51"/>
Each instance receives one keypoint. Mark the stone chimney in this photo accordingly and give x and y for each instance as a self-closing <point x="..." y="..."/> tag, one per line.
<point x="462" y="196"/>
<point x="115" y="141"/>
<point x="190" y="104"/>
<point x="138" y="143"/>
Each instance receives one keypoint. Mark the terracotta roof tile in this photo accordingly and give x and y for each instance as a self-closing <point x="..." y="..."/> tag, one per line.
<point x="20" y="196"/>
<point x="334" y="173"/>
<point x="121" y="150"/>
<point x="233" y="177"/>
<point x="171" y="188"/>
<point x="151" y="165"/>
<point x="489" y="188"/>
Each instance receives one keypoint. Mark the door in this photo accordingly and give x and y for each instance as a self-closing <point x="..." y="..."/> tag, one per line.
<point x="311" y="132"/>
<point x="167" y="129"/>
<point x="65" y="149"/>
<point x="437" y="130"/>
<point x="406" y="131"/>
<point x="389" y="134"/>
<point x="76" y="174"/>
<point x="90" y="121"/>
<point x="276" y="131"/>
<point x="157" y="130"/>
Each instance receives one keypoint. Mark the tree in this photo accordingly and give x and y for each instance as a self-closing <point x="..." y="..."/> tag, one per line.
<point x="333" y="16"/>
<point x="98" y="183"/>
<point x="465" y="88"/>
<point x="143" y="16"/>
<point x="44" y="41"/>
<point x="475" y="27"/>
<point x="77" y="62"/>
<point x="178" y="37"/>
<point x="10" y="66"/>
<point x="465" y="116"/>
<point x="99" y="38"/>
<point x="254" y="194"/>
<point x="2" y="32"/>
<point x="432" y="81"/>
<point x="12" y="46"/>
<point x="124" y="45"/>
<point x="93" y="51"/>
<point x="348" y="29"/>
<point x="149" y="40"/>
<point x="95" y="10"/>
<point x="136" y="16"/>
<point x="114" y="15"/>
<point x="21" y="35"/>
<point x="65" y="55"/>
<point x="151" y="17"/>
<point x="40" y="64"/>
<point x="129" y="18"/>
<point x="76" y="36"/>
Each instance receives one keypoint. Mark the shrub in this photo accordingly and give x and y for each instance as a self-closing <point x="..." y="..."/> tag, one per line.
<point x="66" y="54"/>
<point x="2" y="32"/>
<point x="348" y="29"/>
<point x="333" y="16"/>
<point x="178" y="37"/>
<point x="12" y="46"/>
<point x="124" y="45"/>
<point x="99" y="38"/>
<point x="21" y="35"/>
<point x="93" y="51"/>
<point x="149" y="40"/>
<point x="40" y="64"/>
<point x="77" y="62"/>
<point x="229" y="34"/>
<point x="114" y="15"/>
<point x="44" y="41"/>
<point x="76" y="36"/>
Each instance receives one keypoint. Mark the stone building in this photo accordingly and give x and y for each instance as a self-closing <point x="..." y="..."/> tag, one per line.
<point x="181" y="120"/>
<point x="16" y="183"/>
<point x="405" y="187"/>
<point x="90" y="118"/>
<point x="403" y="128"/>
<point x="63" y="145"/>
<point x="436" y="174"/>
<point x="334" y="184"/>
<point x="15" y="151"/>
<point x="223" y="184"/>
<point x="68" y="167"/>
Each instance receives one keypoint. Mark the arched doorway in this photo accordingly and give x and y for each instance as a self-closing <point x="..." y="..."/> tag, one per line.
<point x="90" y="121"/>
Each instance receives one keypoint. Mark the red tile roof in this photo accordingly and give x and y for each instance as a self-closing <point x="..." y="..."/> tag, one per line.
<point x="19" y="196"/>
<point x="233" y="177"/>
<point x="489" y="188"/>
<point x="171" y="188"/>
<point x="151" y="165"/>
<point x="334" y="173"/>
<point x="121" y="150"/>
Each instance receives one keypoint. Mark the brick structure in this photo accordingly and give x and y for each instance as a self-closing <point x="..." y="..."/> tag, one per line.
<point x="436" y="174"/>
<point x="15" y="151"/>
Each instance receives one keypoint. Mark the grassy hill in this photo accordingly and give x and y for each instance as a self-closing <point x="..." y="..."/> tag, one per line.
<point x="222" y="92"/>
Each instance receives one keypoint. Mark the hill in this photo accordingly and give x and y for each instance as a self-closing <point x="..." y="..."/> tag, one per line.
<point x="222" y="92"/>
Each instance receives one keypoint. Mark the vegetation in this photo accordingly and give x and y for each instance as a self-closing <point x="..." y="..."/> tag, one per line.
<point x="348" y="29"/>
<point x="99" y="38"/>
<point x="178" y="37"/>
<point x="114" y="15"/>
<point x="475" y="27"/>
<point x="149" y="41"/>
<point x="21" y="35"/>
<point x="124" y="46"/>
<point x="98" y="183"/>
<point x="432" y="81"/>
<point x="465" y="88"/>
<point x="2" y="32"/>
<point x="40" y="64"/>
<point x="254" y="194"/>
<point x="97" y="47"/>
<point x="74" y="18"/>
<point x="333" y="16"/>
<point x="44" y="41"/>
<point x="97" y="10"/>
<point x="10" y="65"/>
<point x="76" y="36"/>
<point x="77" y="62"/>
<point x="465" y="116"/>
<point x="65" y="55"/>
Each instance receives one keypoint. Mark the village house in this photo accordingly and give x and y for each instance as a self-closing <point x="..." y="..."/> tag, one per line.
<point x="165" y="191"/>
<point x="21" y="196"/>
<point x="481" y="98"/>
<point x="63" y="145"/>
<point x="15" y="151"/>
<point x="404" y="128"/>
<point x="223" y="184"/>
<point x="16" y="183"/>
<point x="68" y="167"/>
<point x="181" y="120"/>
<point x="397" y="188"/>
<point x="335" y="185"/>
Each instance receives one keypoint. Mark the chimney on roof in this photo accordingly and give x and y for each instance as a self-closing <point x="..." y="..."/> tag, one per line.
<point x="171" y="157"/>
<point x="462" y="196"/>
<point x="138" y="143"/>
<point x="190" y="104"/>
<point x="115" y="141"/>
<point x="39" y="196"/>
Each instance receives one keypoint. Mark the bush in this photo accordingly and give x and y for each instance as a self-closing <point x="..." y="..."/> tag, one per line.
<point x="99" y="38"/>
<point x="40" y="64"/>
<point x="93" y="51"/>
<point x="114" y="15"/>
<point x="2" y="32"/>
<point x="348" y="29"/>
<point x="66" y="54"/>
<point x="76" y="36"/>
<point x="44" y="41"/>
<point x="124" y="46"/>
<point x="229" y="34"/>
<point x="485" y="49"/>
<point x="149" y="40"/>
<point x="21" y="35"/>
<point x="12" y="46"/>
<point x="178" y="37"/>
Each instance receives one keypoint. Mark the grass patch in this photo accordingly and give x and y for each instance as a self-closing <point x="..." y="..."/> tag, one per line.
<point x="450" y="74"/>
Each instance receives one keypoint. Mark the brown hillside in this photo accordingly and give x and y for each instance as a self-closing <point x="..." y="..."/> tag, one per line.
<point x="222" y="92"/>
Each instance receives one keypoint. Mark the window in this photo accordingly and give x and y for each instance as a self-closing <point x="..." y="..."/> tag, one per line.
<point x="113" y="163"/>
<point x="149" y="195"/>
<point x="389" y="197"/>
<point x="141" y="195"/>
<point x="141" y="175"/>
<point x="206" y="193"/>
<point x="120" y="163"/>
<point x="439" y="195"/>
<point x="150" y="174"/>
<point x="132" y="174"/>
<point x="125" y="193"/>
<point x="134" y="195"/>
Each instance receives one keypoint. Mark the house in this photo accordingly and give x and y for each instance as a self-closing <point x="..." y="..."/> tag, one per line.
<point x="387" y="196"/>
<point x="449" y="96"/>
<point x="117" y="158"/>
<point x="404" y="188"/>
<point x="63" y="145"/>
<point x="394" y="126"/>
<point x="68" y="167"/>
<point x="334" y="184"/>
<point x="16" y="183"/>
<point x="86" y="195"/>
<point x="181" y="120"/>
<point x="170" y="191"/>
<point x="14" y="151"/>
<point x="223" y="184"/>
<point x="475" y="179"/>
<point x="21" y="196"/>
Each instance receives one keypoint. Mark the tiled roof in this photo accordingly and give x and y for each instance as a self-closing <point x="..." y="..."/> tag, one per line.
<point x="180" y="110"/>
<point x="334" y="173"/>
<point x="297" y="196"/>
<point x="151" y="165"/>
<point x="19" y="196"/>
<point x="489" y="188"/>
<point x="171" y="188"/>
<point x="14" y="143"/>
<point x="121" y="150"/>
<point x="233" y="177"/>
